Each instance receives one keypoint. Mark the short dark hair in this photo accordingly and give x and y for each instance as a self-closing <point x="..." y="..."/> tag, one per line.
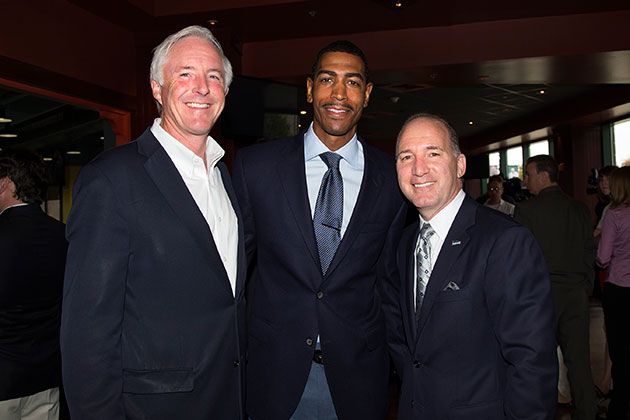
<point x="545" y="163"/>
<point x="27" y="172"/>
<point x="344" y="47"/>
<point x="496" y="178"/>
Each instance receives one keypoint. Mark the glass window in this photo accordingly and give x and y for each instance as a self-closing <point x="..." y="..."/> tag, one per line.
<point x="494" y="160"/>
<point x="621" y="136"/>
<point x="515" y="162"/>
<point x="539" y="148"/>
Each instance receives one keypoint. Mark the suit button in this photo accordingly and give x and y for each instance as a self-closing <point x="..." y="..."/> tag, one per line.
<point x="236" y="363"/>
<point x="416" y="364"/>
<point x="320" y="295"/>
<point x="309" y="341"/>
<point x="413" y="403"/>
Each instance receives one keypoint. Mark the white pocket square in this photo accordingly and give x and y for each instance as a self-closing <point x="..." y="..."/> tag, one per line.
<point x="451" y="286"/>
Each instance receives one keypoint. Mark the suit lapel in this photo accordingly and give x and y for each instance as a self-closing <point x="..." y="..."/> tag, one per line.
<point x="241" y="270"/>
<point x="408" y="245"/>
<point x="370" y="187"/>
<point x="168" y="180"/>
<point x="455" y="242"/>
<point x="292" y="176"/>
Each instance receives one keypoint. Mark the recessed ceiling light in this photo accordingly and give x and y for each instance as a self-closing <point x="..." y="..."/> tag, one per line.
<point x="212" y="22"/>
<point x="47" y="159"/>
<point x="73" y="152"/>
<point x="299" y="125"/>
<point x="302" y="112"/>
<point x="470" y="123"/>
<point x="102" y="137"/>
<point x="5" y="120"/>
<point x="398" y="4"/>
<point x="542" y="92"/>
<point x="8" y="135"/>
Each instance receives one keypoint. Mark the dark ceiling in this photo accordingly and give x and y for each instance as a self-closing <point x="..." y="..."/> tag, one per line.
<point x="486" y="100"/>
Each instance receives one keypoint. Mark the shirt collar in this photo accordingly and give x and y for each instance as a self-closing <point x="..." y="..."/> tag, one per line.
<point x="443" y="220"/>
<point x="313" y="147"/>
<point x="178" y="152"/>
<point x="15" y="205"/>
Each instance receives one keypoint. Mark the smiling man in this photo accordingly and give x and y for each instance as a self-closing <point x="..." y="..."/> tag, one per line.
<point x="469" y="312"/>
<point x="153" y="308"/>
<point x="316" y="210"/>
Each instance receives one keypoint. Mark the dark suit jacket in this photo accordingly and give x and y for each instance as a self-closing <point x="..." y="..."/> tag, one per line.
<point x="484" y="351"/>
<point x="150" y="328"/>
<point x="563" y="228"/>
<point x="32" y="259"/>
<point x="292" y="303"/>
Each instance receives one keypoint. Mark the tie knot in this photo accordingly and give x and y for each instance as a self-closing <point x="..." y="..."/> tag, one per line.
<point x="426" y="231"/>
<point x="331" y="159"/>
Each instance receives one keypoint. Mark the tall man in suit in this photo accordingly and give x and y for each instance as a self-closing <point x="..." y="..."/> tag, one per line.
<point x="469" y="307"/>
<point x="153" y="296"/>
<point x="564" y="230"/>
<point x="316" y="209"/>
<point x="32" y="260"/>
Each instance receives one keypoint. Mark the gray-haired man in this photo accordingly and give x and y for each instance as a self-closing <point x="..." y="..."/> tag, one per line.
<point x="153" y="297"/>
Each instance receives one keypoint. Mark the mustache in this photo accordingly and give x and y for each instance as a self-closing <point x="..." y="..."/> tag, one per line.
<point x="338" y="105"/>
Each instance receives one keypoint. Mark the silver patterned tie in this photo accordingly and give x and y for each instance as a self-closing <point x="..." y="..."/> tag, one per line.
<point x="423" y="264"/>
<point x="329" y="210"/>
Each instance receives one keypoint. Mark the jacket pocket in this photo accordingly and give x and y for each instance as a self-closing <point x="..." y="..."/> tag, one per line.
<point x="136" y="381"/>
<point x="484" y="410"/>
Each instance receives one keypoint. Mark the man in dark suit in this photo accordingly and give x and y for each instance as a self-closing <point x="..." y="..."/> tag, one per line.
<point x="564" y="230"/>
<point x="316" y="209"/>
<point x="469" y="308"/>
<point x="153" y="296"/>
<point x="32" y="260"/>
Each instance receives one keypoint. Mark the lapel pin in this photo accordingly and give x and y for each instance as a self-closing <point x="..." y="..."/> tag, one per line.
<point x="456" y="242"/>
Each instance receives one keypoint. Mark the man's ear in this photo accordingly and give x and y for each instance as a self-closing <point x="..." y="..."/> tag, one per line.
<point x="309" y="90"/>
<point x="4" y="184"/>
<point x="156" y="89"/>
<point x="461" y="165"/>
<point x="368" y="91"/>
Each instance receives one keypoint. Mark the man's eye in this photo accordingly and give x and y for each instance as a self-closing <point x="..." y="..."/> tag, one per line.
<point x="325" y="79"/>
<point x="404" y="157"/>
<point x="354" y="83"/>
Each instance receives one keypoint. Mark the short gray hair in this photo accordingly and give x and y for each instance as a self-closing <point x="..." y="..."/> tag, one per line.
<point x="160" y="53"/>
<point x="452" y="135"/>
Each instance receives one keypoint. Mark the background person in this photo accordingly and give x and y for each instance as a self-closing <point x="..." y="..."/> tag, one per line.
<point x="564" y="230"/>
<point x="32" y="260"/>
<point x="495" y="193"/>
<point x="614" y="253"/>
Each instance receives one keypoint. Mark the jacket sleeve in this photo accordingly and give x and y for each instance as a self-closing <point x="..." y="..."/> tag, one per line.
<point x="605" y="249"/>
<point x="518" y="292"/>
<point x="93" y="302"/>
<point x="391" y="282"/>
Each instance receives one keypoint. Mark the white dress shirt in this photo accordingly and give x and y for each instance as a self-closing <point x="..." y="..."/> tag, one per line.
<point x="207" y="189"/>
<point x="441" y="224"/>
<point x="351" y="167"/>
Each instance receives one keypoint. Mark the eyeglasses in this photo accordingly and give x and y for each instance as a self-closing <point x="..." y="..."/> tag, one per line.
<point x="494" y="189"/>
